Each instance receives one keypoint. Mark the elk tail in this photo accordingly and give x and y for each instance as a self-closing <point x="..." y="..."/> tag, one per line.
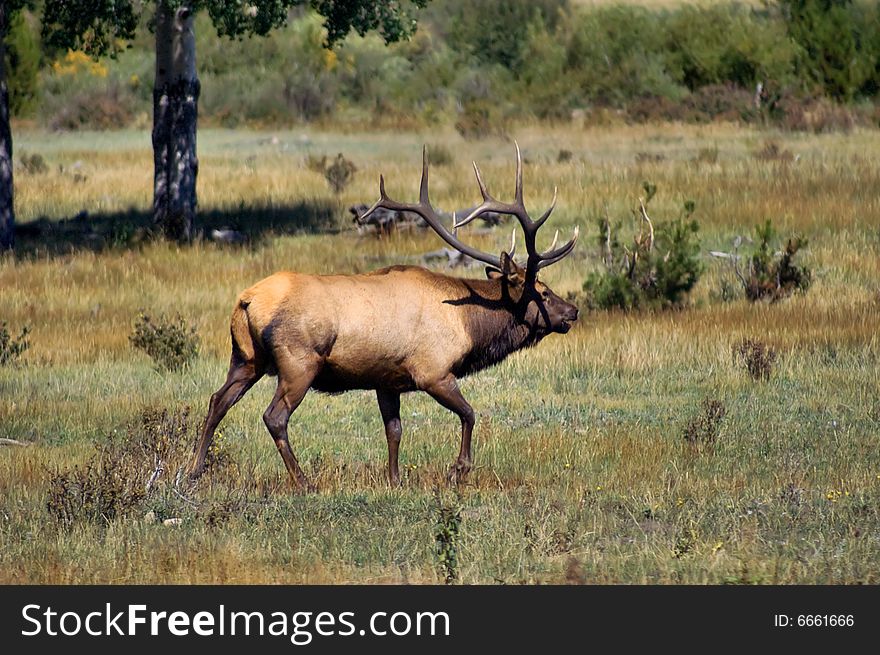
<point x="243" y="348"/>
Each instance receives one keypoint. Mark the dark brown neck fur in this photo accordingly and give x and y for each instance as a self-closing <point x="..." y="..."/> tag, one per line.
<point x="493" y="326"/>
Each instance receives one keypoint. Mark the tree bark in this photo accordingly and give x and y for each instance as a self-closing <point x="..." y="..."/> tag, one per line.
<point x="7" y="209"/>
<point x="175" y="113"/>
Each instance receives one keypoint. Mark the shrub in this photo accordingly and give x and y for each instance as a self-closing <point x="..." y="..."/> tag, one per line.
<point x="707" y="155"/>
<point x="836" y="49"/>
<point x="446" y="530"/>
<point x="11" y="349"/>
<point x="772" y="151"/>
<point x="657" y="273"/>
<point x="617" y="54"/>
<point x="96" y="109"/>
<point x="126" y="469"/>
<point x="481" y="119"/>
<point x="316" y="164"/>
<point x="23" y="63"/>
<point x="704" y="426"/>
<point x="773" y="275"/>
<point x="99" y="492"/>
<point x="33" y="164"/>
<point x="725" y="102"/>
<point x="171" y="343"/>
<point x="339" y="173"/>
<point x="800" y="113"/>
<point x="495" y="32"/>
<point x="757" y="358"/>
<point x="727" y="45"/>
<point x="440" y="155"/>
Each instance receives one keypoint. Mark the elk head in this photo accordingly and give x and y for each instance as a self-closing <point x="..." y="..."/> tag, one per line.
<point x="530" y="300"/>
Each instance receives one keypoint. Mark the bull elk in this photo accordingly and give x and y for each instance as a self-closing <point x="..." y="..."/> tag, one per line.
<point x="395" y="330"/>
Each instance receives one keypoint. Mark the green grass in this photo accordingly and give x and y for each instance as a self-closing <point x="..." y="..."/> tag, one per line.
<point x="582" y="471"/>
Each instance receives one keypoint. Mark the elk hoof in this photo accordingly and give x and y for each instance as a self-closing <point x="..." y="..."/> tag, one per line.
<point x="458" y="472"/>
<point x="304" y="487"/>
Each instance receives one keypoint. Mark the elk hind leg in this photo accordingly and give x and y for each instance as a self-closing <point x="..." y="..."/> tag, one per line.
<point x="241" y="377"/>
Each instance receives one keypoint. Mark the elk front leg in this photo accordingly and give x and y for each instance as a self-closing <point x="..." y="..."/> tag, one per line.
<point x="389" y="405"/>
<point x="447" y="393"/>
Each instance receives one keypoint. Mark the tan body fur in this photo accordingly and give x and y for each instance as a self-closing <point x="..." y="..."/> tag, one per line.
<point x="394" y="328"/>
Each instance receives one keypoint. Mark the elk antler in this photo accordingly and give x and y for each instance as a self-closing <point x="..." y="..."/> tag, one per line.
<point x="424" y="209"/>
<point x="536" y="260"/>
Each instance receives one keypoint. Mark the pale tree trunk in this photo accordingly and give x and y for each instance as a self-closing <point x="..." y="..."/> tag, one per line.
<point x="175" y="111"/>
<point x="7" y="211"/>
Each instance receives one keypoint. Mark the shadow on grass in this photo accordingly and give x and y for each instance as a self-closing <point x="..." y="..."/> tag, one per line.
<point x="247" y="226"/>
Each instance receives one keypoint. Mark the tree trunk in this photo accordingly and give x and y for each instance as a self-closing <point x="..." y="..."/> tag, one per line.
<point x="175" y="112"/>
<point x="7" y="210"/>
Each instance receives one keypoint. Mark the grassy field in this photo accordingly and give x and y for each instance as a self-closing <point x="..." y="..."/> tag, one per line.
<point x="582" y="471"/>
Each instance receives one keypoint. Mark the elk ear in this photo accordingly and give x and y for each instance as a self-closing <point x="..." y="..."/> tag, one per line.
<point x="493" y="273"/>
<point x="514" y="273"/>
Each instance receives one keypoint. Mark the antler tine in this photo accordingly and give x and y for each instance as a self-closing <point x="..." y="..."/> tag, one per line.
<point x="554" y="256"/>
<point x="423" y="184"/>
<point x="482" y="184"/>
<point x="512" y="243"/>
<point x="555" y="239"/>
<point x="518" y="194"/>
<point x="467" y="219"/>
<point x="549" y="211"/>
<point x="383" y="198"/>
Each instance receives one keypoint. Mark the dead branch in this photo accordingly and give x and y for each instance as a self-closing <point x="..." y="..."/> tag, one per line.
<point x="650" y="225"/>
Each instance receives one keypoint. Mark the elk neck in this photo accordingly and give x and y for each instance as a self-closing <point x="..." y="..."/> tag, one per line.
<point x="497" y="326"/>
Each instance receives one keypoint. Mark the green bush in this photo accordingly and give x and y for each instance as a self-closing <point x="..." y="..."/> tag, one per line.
<point x="138" y="463"/>
<point x="839" y="44"/>
<point x="616" y="54"/>
<point x="33" y="164"/>
<point x="727" y="44"/>
<point x="773" y="275"/>
<point x="496" y="31"/>
<point x="657" y="271"/>
<point x="12" y="348"/>
<point x="480" y="119"/>
<point x="447" y="527"/>
<point x="172" y="344"/>
<point x="440" y="155"/>
<point x="340" y="173"/>
<point x="23" y="58"/>
<point x="544" y="83"/>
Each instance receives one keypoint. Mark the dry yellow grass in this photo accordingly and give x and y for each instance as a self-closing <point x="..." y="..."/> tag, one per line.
<point x="579" y="447"/>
